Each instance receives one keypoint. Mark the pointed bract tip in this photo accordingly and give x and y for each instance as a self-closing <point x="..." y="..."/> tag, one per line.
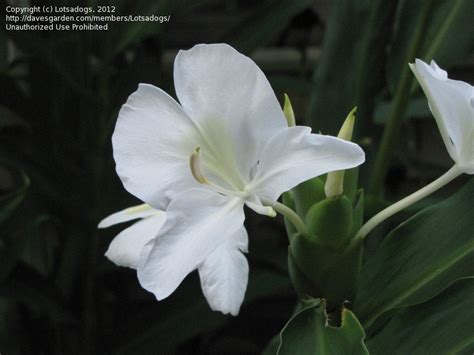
<point x="348" y="125"/>
<point x="288" y="112"/>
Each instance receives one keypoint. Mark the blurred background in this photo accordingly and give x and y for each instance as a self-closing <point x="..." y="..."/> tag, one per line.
<point x="60" y="93"/>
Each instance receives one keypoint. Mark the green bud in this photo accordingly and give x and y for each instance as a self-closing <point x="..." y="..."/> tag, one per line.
<point x="307" y="194"/>
<point x="288" y="111"/>
<point x="348" y="126"/>
<point x="331" y="221"/>
<point x="335" y="181"/>
<point x="324" y="264"/>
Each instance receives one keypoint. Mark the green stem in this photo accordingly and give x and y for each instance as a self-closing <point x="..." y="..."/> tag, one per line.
<point x="289" y="214"/>
<point x="408" y="201"/>
<point x="402" y="95"/>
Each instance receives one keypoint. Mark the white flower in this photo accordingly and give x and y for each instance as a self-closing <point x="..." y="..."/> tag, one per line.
<point x="452" y="105"/>
<point x="125" y="248"/>
<point x="231" y="129"/>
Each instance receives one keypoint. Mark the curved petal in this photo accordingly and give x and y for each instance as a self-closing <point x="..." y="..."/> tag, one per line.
<point x="126" y="247"/>
<point x="227" y="95"/>
<point x="450" y="103"/>
<point x="295" y="155"/>
<point x="152" y="142"/>
<point x="198" y="221"/>
<point x="224" y="274"/>
<point x="127" y="214"/>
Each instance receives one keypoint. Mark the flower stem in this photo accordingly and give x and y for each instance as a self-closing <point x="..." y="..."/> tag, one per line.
<point x="289" y="214"/>
<point x="450" y="175"/>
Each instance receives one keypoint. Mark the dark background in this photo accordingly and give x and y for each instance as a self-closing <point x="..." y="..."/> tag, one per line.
<point x="59" y="99"/>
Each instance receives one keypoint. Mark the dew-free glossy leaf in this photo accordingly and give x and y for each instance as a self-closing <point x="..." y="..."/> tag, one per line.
<point x="307" y="333"/>
<point x="264" y="24"/>
<point x="420" y="258"/>
<point x="443" y="325"/>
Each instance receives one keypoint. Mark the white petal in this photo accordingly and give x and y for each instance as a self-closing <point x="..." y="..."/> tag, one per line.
<point x="198" y="221"/>
<point x="126" y="247"/>
<point x="127" y="214"/>
<point x="295" y="155"/>
<point x="152" y="142"/>
<point x="438" y="72"/>
<point x="224" y="274"/>
<point x="450" y="103"/>
<point x="227" y="95"/>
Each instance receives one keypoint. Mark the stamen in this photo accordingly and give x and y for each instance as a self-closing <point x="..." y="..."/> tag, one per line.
<point x="195" y="164"/>
<point x="137" y="209"/>
<point x="196" y="170"/>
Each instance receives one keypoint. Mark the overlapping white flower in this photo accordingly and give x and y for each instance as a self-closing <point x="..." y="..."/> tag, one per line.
<point x="452" y="105"/>
<point x="231" y="129"/>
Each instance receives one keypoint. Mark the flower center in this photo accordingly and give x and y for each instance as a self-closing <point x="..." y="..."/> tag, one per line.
<point x="251" y="200"/>
<point x="195" y="163"/>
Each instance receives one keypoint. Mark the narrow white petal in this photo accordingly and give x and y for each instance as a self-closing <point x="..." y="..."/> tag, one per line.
<point x="198" y="221"/>
<point x="224" y="274"/>
<point x="295" y="155"/>
<point x="128" y="214"/>
<point x="126" y="247"/>
<point x="227" y="95"/>
<point x="152" y="142"/>
<point x="450" y="103"/>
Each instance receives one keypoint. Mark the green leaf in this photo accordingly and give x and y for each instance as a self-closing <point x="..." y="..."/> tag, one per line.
<point x="11" y="201"/>
<point x="420" y="258"/>
<point x="308" y="333"/>
<point x="36" y="293"/>
<point x="443" y="325"/>
<point x="40" y="244"/>
<point x="264" y="24"/>
<point x="449" y="36"/>
<point x="417" y="108"/>
<point x="350" y="70"/>
<point x="130" y="33"/>
<point x="9" y="119"/>
<point x="272" y="346"/>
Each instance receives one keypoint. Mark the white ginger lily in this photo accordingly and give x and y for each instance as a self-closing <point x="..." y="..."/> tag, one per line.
<point x="452" y="105"/>
<point x="226" y="145"/>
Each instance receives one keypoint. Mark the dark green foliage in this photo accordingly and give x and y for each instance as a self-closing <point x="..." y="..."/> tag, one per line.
<point x="59" y="99"/>
<point x="419" y="259"/>
<point x="308" y="332"/>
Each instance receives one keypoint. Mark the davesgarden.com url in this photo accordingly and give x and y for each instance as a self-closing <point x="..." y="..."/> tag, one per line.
<point x="86" y="18"/>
